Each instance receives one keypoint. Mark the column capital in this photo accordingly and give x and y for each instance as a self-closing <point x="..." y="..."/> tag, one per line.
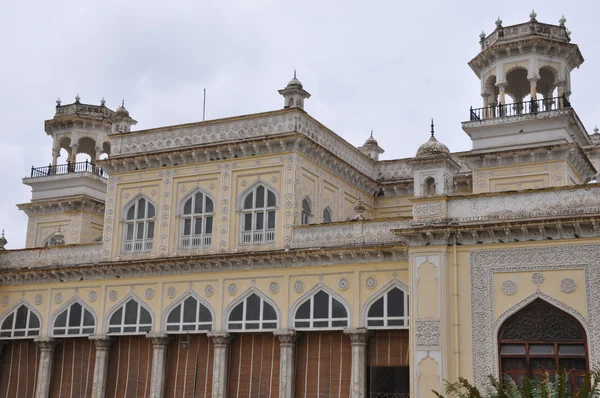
<point x="533" y="79"/>
<point x="220" y="339"/>
<point x="286" y="336"/>
<point x="358" y="336"/>
<point x="46" y="343"/>
<point x="159" y="339"/>
<point x="501" y="84"/>
<point x="101" y="341"/>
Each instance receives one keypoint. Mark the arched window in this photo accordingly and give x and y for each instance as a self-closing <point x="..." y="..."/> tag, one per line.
<point x="139" y="226"/>
<point x="74" y="320"/>
<point x="21" y="322"/>
<point x="197" y="221"/>
<point x="327" y="215"/>
<point x="305" y="211"/>
<point x="389" y="311"/>
<point x="429" y="186"/>
<point x="253" y="313"/>
<point x="189" y="316"/>
<point x="131" y="317"/>
<point x="258" y="216"/>
<point x="321" y="311"/>
<point x="541" y="338"/>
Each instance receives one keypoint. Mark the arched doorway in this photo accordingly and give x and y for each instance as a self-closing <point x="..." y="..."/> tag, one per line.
<point x="541" y="338"/>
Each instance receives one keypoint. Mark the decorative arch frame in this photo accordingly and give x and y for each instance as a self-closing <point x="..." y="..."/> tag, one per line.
<point x="310" y="206"/>
<point x="554" y="71"/>
<point x="31" y="308"/>
<point x="239" y="201"/>
<point x="184" y="296"/>
<point x="47" y="239"/>
<point x="312" y="291"/>
<point x="131" y="201"/>
<point x="328" y="208"/>
<point x="242" y="297"/>
<point x="394" y="283"/>
<point x="75" y="299"/>
<point x="487" y="84"/>
<point x="121" y="303"/>
<point x="514" y="68"/>
<point x="524" y="303"/>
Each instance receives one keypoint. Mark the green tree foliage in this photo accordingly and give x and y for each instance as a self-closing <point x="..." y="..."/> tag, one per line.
<point x="546" y="387"/>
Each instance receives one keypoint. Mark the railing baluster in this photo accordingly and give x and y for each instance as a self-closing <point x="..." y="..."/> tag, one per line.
<point x="69" y="167"/>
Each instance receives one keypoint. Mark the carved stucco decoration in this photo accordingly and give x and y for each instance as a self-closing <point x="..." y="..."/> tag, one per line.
<point x="484" y="263"/>
<point x="51" y="255"/>
<point x="427" y="333"/>
<point x="568" y="285"/>
<point x="509" y="287"/>
<point x="526" y="205"/>
<point x="429" y="210"/>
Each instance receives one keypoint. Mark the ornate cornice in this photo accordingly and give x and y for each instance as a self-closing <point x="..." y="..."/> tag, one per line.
<point x="60" y="205"/>
<point x="80" y="262"/>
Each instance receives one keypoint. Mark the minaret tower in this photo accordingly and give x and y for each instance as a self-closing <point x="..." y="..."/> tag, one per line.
<point x="525" y="74"/>
<point x="293" y="94"/>
<point x="67" y="201"/>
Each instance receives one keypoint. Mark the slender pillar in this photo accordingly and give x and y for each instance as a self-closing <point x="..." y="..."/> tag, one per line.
<point x="102" y="344"/>
<point x="358" y="377"/>
<point x="47" y="345"/>
<point x="287" y="362"/>
<point x="220" y="355"/>
<point x="73" y="154"/>
<point x="501" y="92"/>
<point x="55" y="156"/>
<point x="159" y="365"/>
<point x="533" y="87"/>
<point x="486" y="104"/>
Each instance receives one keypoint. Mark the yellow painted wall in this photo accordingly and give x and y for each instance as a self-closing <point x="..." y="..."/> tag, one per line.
<point x="76" y="226"/>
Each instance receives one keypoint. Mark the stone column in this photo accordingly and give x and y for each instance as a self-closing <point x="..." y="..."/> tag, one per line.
<point x="47" y="345"/>
<point x="287" y="349"/>
<point x="73" y="154"/>
<point x="220" y="355"/>
<point x="533" y="87"/>
<point x="501" y="93"/>
<point x="102" y="344"/>
<point x="159" y="365"/>
<point x="358" y="377"/>
<point x="55" y="156"/>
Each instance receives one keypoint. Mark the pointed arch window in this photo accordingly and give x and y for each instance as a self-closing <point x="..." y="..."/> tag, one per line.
<point x="74" y="320"/>
<point x="541" y="339"/>
<point x="389" y="311"/>
<point x="305" y="211"/>
<point x="130" y="318"/>
<point x="327" y="217"/>
<point x="197" y="221"/>
<point x="21" y="322"/>
<point x="253" y="313"/>
<point x="321" y="311"/>
<point x="189" y="316"/>
<point x="258" y="216"/>
<point x="139" y="226"/>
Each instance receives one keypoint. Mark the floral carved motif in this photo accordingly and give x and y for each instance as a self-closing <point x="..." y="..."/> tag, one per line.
<point x="568" y="285"/>
<point x="429" y="210"/>
<point x="509" y="287"/>
<point x="427" y="333"/>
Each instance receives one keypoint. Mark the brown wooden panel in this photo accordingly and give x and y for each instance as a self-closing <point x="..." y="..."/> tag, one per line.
<point x="73" y="368"/>
<point x="189" y="367"/>
<point x="19" y="368"/>
<point x="323" y="365"/>
<point x="129" y="367"/>
<point x="253" y="366"/>
<point x="388" y="348"/>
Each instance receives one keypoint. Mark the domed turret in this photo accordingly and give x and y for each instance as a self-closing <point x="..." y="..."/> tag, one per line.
<point x="432" y="147"/>
<point x="122" y="110"/>
<point x="371" y="148"/>
<point x="293" y="94"/>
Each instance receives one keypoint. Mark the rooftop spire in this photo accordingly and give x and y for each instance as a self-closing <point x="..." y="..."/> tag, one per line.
<point x="432" y="130"/>
<point x="532" y="15"/>
<point x="294" y="73"/>
<point x="371" y="132"/>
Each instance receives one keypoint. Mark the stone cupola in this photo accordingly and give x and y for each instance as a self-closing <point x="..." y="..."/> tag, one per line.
<point x="293" y="94"/>
<point x="371" y="148"/>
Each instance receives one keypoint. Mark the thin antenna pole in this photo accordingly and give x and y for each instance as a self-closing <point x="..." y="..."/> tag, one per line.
<point x="204" y="107"/>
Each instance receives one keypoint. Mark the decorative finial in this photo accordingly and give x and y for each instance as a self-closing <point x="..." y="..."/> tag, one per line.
<point x="3" y="241"/>
<point x="562" y="20"/>
<point x="123" y="102"/>
<point x="77" y="98"/>
<point x="3" y="228"/>
<point x="595" y="132"/>
<point x="498" y="22"/>
<point x="482" y="35"/>
<point x="371" y="133"/>
<point x="294" y="73"/>
<point x="568" y="32"/>
<point x="532" y="15"/>
<point x="58" y="102"/>
<point x="432" y="130"/>
<point x="102" y="101"/>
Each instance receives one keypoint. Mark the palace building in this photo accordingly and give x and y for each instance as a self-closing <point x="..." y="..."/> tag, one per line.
<point x="265" y="256"/>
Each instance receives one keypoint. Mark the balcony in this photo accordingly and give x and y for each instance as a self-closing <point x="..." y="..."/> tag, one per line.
<point x="532" y="107"/>
<point x="79" y="167"/>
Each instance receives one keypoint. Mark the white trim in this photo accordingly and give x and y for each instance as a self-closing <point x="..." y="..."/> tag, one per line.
<point x="65" y="306"/>
<point x="256" y="236"/>
<point x="12" y="310"/>
<point x="189" y="293"/>
<point x="121" y="304"/>
<point x="184" y="198"/>
<point x="181" y="217"/>
<point x="310" y="293"/>
<point x="147" y="244"/>
<point x="239" y="201"/>
<point x="243" y="297"/>
<point x="384" y="290"/>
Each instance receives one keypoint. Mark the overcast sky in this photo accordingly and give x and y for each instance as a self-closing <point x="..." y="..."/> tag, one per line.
<point x="383" y="65"/>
